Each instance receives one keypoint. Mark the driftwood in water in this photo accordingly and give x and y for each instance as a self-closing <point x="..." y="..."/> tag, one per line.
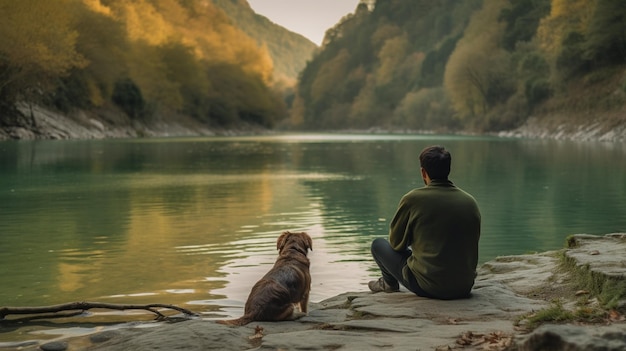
<point x="77" y="308"/>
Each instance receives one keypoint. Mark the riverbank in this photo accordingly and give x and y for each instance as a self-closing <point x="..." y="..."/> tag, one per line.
<point x="36" y="122"/>
<point x="573" y="299"/>
<point x="609" y="127"/>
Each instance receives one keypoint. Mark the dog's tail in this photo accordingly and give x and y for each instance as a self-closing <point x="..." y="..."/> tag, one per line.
<point x="243" y="320"/>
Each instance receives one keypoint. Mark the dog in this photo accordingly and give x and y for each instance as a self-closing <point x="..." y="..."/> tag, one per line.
<point x="287" y="285"/>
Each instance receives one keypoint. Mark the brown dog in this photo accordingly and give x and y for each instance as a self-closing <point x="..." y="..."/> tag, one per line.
<point x="273" y="297"/>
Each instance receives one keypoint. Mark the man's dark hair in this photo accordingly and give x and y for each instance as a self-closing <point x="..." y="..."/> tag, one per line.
<point x="436" y="161"/>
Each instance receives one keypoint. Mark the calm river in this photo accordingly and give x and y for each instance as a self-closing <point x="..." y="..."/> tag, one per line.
<point x="194" y="221"/>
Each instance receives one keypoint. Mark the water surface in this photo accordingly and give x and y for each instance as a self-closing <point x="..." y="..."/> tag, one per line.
<point x="194" y="221"/>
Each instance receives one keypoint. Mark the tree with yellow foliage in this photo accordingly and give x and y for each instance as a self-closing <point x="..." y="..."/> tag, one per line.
<point x="477" y="75"/>
<point x="147" y="58"/>
<point x="33" y="54"/>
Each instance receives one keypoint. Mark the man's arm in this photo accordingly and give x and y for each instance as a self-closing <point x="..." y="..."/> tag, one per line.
<point x="399" y="236"/>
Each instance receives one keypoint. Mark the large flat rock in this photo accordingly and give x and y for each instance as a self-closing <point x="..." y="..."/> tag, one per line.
<point x="506" y="288"/>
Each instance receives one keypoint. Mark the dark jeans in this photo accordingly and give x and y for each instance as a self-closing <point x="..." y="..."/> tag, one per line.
<point x="392" y="264"/>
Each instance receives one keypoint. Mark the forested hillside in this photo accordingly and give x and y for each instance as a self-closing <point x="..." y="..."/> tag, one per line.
<point x="445" y="65"/>
<point x="480" y="65"/>
<point x="147" y="59"/>
<point x="289" y="51"/>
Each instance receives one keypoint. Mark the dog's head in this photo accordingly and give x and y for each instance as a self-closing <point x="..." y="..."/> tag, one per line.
<point x="300" y="241"/>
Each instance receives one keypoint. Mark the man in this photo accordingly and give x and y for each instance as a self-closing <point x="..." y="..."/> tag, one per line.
<point x="433" y="237"/>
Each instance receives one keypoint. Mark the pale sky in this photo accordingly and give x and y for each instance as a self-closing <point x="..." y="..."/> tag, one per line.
<point x="311" y="18"/>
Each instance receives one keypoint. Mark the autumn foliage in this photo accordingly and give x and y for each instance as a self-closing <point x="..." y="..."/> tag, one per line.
<point x="441" y="65"/>
<point x="148" y="58"/>
<point x="465" y="64"/>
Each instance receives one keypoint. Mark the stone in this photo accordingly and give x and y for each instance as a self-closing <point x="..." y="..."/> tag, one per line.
<point x="507" y="289"/>
<point x="575" y="338"/>
<point x="103" y="336"/>
<point x="54" y="346"/>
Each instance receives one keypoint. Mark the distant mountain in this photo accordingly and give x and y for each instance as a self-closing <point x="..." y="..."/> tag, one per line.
<point x="289" y="51"/>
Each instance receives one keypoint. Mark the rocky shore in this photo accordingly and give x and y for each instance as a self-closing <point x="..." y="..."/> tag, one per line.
<point x="36" y="122"/>
<point x="611" y="129"/>
<point x="569" y="299"/>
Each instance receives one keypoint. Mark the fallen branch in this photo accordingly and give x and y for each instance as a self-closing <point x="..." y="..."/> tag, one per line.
<point x="84" y="306"/>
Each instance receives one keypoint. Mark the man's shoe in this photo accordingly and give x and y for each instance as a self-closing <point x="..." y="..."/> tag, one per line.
<point x="381" y="285"/>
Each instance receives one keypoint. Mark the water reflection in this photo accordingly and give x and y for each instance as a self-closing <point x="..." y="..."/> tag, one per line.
<point x="195" y="221"/>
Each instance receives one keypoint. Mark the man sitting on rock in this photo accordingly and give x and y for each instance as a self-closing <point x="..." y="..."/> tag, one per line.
<point x="433" y="237"/>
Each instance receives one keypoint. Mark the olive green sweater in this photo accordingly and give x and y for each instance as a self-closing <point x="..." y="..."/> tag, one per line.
<point x="441" y="225"/>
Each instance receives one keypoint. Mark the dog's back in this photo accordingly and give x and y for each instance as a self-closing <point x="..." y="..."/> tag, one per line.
<point x="273" y="297"/>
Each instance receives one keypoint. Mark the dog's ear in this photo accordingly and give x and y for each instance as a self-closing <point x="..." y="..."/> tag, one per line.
<point x="282" y="240"/>
<point x="309" y="241"/>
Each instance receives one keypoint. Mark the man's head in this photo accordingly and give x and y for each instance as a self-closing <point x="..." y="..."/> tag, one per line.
<point x="435" y="163"/>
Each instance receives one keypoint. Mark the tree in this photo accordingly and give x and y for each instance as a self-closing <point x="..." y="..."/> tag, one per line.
<point x="128" y="97"/>
<point x="425" y="109"/>
<point x="522" y="20"/>
<point x="534" y="73"/>
<point x="236" y="96"/>
<point x="478" y="74"/>
<point x="570" y="60"/>
<point x="32" y="55"/>
<point x="390" y="56"/>
<point x="606" y="34"/>
<point x="566" y="16"/>
<point x="103" y="43"/>
<point x="325" y="82"/>
<point x="433" y="67"/>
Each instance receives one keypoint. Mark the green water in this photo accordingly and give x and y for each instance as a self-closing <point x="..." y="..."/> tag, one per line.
<point x="194" y="221"/>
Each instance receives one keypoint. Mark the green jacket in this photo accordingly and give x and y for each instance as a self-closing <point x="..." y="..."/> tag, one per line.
<point x="441" y="225"/>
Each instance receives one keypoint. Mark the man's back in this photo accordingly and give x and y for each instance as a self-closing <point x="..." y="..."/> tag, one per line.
<point x="441" y="224"/>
